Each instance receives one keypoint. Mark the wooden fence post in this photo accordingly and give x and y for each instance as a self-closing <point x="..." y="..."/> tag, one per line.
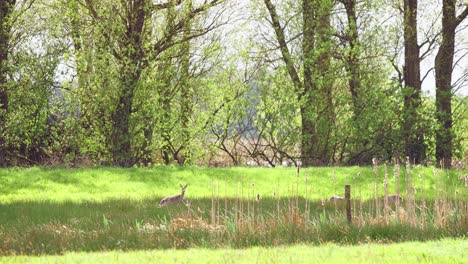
<point x="348" y="202"/>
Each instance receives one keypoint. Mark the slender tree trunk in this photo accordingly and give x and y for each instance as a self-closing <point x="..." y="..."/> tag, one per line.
<point x="352" y="57"/>
<point x="165" y="124"/>
<point x="443" y="65"/>
<point x="166" y="94"/>
<point x="353" y="69"/>
<point x="186" y="95"/>
<point x="6" y="8"/>
<point x="324" y="82"/>
<point x="314" y="93"/>
<point x="131" y="67"/>
<point x="121" y="137"/>
<point x="309" y="150"/>
<point x="443" y="78"/>
<point x="414" y="137"/>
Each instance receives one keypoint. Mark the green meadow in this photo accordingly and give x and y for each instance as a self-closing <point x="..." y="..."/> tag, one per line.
<point x="443" y="251"/>
<point x="48" y="211"/>
<point x="103" y="184"/>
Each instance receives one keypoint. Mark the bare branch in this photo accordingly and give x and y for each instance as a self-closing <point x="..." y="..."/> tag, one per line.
<point x="167" y="40"/>
<point x="23" y="8"/>
<point x="462" y="16"/>
<point x="427" y="73"/>
<point x="169" y="3"/>
<point x="279" y="31"/>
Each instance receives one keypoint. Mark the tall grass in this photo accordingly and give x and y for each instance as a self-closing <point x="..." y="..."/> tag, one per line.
<point x="287" y="212"/>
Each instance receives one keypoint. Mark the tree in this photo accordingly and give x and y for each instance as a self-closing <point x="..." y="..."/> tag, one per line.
<point x="135" y="48"/>
<point x="352" y="64"/>
<point x="186" y="93"/>
<point x="314" y="92"/>
<point x="6" y="10"/>
<point x="413" y="136"/>
<point x="443" y="79"/>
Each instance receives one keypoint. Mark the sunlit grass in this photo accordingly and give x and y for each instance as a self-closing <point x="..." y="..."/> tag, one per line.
<point x="443" y="251"/>
<point x="101" y="184"/>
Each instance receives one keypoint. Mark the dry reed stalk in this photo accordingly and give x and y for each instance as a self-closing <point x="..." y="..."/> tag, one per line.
<point x="396" y="174"/>
<point x="253" y="203"/>
<point x="277" y="197"/>
<point x="423" y="204"/>
<point x="242" y="201"/>
<point x="248" y="204"/>
<point x="377" y="183"/>
<point x="225" y="202"/>
<point x="409" y="194"/>
<point x="335" y="193"/>
<point x="306" y="201"/>
<point x="445" y="207"/>
<point x="457" y="207"/>
<point x="290" y="206"/>
<point x="445" y="210"/>
<point x="212" y="204"/>
<point x="437" y="213"/>
<point x="278" y="206"/>
<point x="371" y="204"/>
<point x="297" y="186"/>
<point x="361" y="217"/>
<point x="218" y="207"/>
<point x="354" y="200"/>
<point x="236" y="207"/>
<point x="386" y="207"/>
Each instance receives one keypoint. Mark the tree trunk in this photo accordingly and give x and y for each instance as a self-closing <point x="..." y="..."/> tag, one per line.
<point x="323" y="81"/>
<point x="352" y="57"/>
<point x="121" y="138"/>
<point x="130" y="60"/>
<point x="314" y="93"/>
<point x="443" y="76"/>
<point x="186" y="95"/>
<point x="414" y="137"/>
<point x="165" y="124"/>
<point x="6" y="7"/>
<point x="309" y="150"/>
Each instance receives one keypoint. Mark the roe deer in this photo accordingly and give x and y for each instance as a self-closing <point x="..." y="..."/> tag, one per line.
<point x="393" y="198"/>
<point x="173" y="198"/>
<point x="336" y="198"/>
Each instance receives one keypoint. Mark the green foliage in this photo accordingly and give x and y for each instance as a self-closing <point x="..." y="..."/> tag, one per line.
<point x="460" y="127"/>
<point x="219" y="97"/>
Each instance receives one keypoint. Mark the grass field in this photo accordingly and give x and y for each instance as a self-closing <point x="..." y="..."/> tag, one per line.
<point x="444" y="251"/>
<point x="101" y="184"/>
<point x="54" y="211"/>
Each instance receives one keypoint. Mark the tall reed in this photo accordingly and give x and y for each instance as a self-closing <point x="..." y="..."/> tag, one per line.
<point x="437" y="203"/>
<point x="396" y="174"/>
<point x="213" y="214"/>
<point x="423" y="208"/>
<point x="385" y="184"/>
<point x="335" y="201"/>
<point x="377" y="183"/>
<point x="409" y="195"/>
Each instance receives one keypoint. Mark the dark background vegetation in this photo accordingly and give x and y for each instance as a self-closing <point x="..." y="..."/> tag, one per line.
<point x="222" y="82"/>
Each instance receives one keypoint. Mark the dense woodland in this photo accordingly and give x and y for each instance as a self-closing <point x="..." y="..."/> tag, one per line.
<point x="232" y="82"/>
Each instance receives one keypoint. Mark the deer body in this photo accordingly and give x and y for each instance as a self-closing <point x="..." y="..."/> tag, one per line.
<point x="336" y="198"/>
<point x="393" y="198"/>
<point x="173" y="198"/>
